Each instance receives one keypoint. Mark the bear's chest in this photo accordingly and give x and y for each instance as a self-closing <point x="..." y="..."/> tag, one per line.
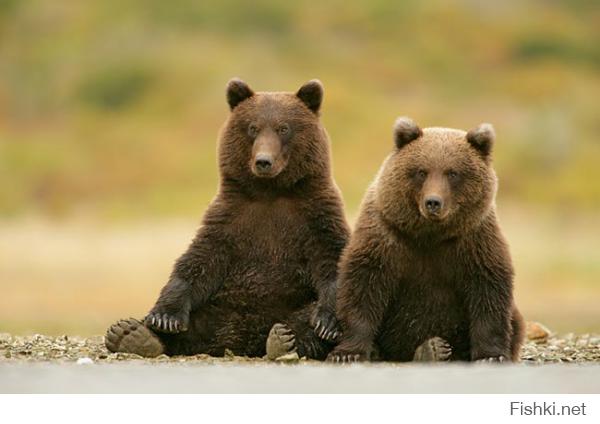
<point x="269" y="231"/>
<point x="428" y="284"/>
<point x="436" y="268"/>
<point x="270" y="240"/>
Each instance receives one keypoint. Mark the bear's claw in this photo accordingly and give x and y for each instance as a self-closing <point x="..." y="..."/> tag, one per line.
<point x="345" y="358"/>
<point x="326" y="326"/>
<point x="167" y="323"/>
<point x="281" y="341"/>
<point x="131" y="336"/>
<point x="435" y="349"/>
<point x="342" y="357"/>
<point x="492" y="360"/>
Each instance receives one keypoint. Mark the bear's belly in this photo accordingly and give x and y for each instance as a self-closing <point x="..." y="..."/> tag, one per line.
<point x="418" y="313"/>
<point x="267" y="276"/>
<point x="269" y="267"/>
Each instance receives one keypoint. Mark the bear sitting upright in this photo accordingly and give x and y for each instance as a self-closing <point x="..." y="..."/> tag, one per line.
<point x="427" y="274"/>
<point x="264" y="262"/>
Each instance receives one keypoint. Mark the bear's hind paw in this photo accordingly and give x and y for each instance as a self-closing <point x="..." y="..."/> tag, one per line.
<point x="435" y="349"/>
<point x="281" y="341"/>
<point x="131" y="336"/>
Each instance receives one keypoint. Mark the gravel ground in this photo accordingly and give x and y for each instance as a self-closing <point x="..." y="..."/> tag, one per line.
<point x="541" y="348"/>
<point x="65" y="364"/>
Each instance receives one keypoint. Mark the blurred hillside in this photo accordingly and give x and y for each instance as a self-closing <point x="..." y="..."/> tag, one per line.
<point x="113" y="107"/>
<point x="110" y="110"/>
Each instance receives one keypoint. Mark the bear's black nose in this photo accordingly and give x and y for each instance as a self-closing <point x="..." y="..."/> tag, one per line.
<point x="263" y="163"/>
<point x="433" y="204"/>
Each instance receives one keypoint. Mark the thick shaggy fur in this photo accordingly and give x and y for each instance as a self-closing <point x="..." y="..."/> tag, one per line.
<point x="414" y="270"/>
<point x="268" y="247"/>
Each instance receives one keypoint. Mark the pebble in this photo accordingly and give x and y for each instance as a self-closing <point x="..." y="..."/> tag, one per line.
<point x="537" y="332"/>
<point x="289" y="358"/>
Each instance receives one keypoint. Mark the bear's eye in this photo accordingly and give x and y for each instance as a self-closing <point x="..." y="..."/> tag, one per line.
<point x="252" y="130"/>
<point x="453" y="175"/>
<point x="284" y="129"/>
<point x="421" y="173"/>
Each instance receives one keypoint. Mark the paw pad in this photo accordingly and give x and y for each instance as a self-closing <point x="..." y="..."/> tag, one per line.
<point x="130" y="336"/>
<point x="435" y="349"/>
<point x="280" y="342"/>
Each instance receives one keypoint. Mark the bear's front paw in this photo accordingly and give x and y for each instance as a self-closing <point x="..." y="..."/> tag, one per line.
<point x="492" y="360"/>
<point x="326" y="325"/>
<point x="340" y="356"/>
<point x="167" y="322"/>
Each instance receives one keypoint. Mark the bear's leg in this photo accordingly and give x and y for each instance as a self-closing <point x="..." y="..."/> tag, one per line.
<point x="245" y="334"/>
<point x="216" y="328"/>
<point x="435" y="349"/>
<point x="295" y="334"/>
<point x="518" y="333"/>
<point x="131" y="336"/>
<point x="212" y="329"/>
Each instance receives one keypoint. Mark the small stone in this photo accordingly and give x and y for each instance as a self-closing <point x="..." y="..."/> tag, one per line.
<point x="85" y="361"/>
<point x="288" y="358"/>
<point x="537" y="332"/>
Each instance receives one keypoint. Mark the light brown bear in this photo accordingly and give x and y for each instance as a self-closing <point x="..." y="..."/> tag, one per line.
<point x="427" y="273"/>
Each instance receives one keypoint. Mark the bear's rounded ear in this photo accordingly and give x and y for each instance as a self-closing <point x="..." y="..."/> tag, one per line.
<point x="405" y="131"/>
<point x="311" y="94"/>
<point x="237" y="91"/>
<point x="482" y="138"/>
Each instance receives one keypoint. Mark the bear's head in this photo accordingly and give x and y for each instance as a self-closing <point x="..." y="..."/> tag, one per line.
<point x="437" y="182"/>
<point x="273" y="139"/>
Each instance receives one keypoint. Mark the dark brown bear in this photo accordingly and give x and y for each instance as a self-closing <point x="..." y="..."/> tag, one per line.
<point x="265" y="258"/>
<point x="427" y="273"/>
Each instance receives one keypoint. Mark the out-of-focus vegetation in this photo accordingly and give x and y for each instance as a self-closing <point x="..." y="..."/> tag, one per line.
<point x="111" y="109"/>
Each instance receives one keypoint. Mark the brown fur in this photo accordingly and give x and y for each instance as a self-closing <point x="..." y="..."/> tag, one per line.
<point x="269" y="244"/>
<point x="413" y="271"/>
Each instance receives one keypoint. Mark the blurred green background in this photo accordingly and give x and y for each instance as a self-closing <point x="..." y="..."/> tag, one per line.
<point x="109" y="114"/>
